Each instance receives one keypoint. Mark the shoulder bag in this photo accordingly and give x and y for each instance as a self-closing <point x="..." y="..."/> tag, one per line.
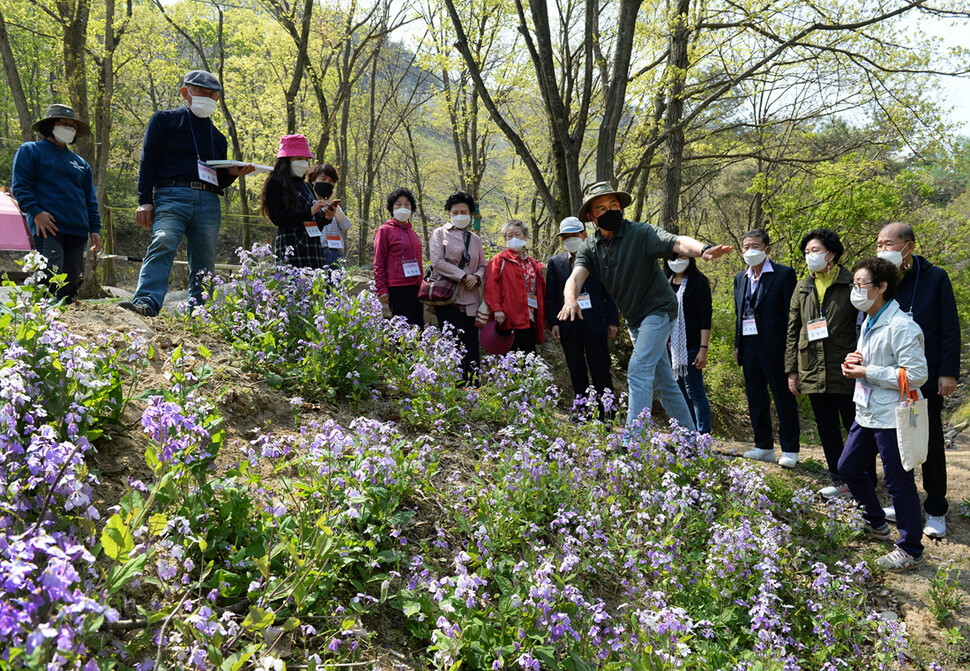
<point x="441" y="290"/>
<point x="912" y="425"/>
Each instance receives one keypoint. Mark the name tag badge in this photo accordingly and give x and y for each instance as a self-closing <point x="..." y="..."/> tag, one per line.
<point x="584" y="302"/>
<point x="861" y="395"/>
<point x="208" y="174"/>
<point x="311" y="229"/>
<point x="533" y="301"/>
<point x="749" y="327"/>
<point x="411" y="268"/>
<point x="334" y="241"/>
<point x="818" y="329"/>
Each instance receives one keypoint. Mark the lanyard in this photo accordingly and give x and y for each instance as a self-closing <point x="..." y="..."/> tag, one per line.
<point x="212" y="136"/>
<point x="912" y="302"/>
<point x="410" y="245"/>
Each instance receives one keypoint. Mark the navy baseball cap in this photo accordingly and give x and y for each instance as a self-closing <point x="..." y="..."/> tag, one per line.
<point x="202" y="79"/>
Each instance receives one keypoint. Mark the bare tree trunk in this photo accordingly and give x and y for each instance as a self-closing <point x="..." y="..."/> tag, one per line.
<point x="16" y="86"/>
<point x="74" y="19"/>
<point x="673" y="164"/>
<point x="616" y="94"/>
<point x="104" y="94"/>
<point x="418" y="188"/>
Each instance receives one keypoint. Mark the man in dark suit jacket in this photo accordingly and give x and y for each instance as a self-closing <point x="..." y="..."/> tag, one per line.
<point x="926" y="294"/>
<point x="585" y="341"/>
<point x="762" y="297"/>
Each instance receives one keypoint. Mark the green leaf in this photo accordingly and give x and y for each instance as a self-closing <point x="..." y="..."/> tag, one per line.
<point x="258" y="619"/>
<point x="157" y="524"/>
<point x="204" y="352"/>
<point x="235" y="662"/>
<point x="120" y="575"/>
<point x="116" y="539"/>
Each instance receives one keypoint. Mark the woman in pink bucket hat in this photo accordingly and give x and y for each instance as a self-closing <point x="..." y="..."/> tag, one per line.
<point x="289" y="202"/>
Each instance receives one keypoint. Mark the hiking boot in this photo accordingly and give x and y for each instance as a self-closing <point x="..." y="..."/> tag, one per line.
<point x="833" y="491"/>
<point x="935" y="526"/>
<point x="760" y="455"/>
<point x="137" y="308"/>
<point x="880" y="533"/>
<point x="788" y="459"/>
<point x="890" y="514"/>
<point x="899" y="560"/>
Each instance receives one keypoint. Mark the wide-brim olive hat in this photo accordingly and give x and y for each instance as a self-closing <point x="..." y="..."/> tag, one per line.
<point x="63" y="112"/>
<point x="598" y="189"/>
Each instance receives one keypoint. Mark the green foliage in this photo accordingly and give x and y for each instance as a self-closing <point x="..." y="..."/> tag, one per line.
<point x="945" y="596"/>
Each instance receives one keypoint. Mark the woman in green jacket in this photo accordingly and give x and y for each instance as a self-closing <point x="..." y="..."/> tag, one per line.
<point x="821" y="332"/>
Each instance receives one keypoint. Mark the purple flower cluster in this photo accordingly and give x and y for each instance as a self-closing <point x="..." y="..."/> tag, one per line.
<point x="55" y="389"/>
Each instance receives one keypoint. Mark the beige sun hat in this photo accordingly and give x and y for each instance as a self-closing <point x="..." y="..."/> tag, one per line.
<point x="598" y="189"/>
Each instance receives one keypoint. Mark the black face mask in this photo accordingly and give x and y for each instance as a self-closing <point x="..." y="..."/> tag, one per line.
<point x="323" y="189"/>
<point x="610" y="220"/>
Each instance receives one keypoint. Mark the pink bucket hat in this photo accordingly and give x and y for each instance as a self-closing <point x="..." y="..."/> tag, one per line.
<point x="294" y="146"/>
<point x="493" y="341"/>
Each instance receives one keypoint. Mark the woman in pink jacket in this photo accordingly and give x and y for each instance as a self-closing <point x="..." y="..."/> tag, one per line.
<point x="397" y="259"/>
<point x="457" y="254"/>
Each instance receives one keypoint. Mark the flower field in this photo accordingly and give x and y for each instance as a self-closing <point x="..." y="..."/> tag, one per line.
<point x="477" y="530"/>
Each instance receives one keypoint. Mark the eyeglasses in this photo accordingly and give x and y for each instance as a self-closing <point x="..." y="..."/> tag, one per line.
<point x="862" y="285"/>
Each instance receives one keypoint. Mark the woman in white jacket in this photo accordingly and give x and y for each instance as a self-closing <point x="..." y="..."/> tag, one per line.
<point x="889" y="340"/>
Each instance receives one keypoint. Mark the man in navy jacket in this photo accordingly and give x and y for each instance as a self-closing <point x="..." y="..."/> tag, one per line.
<point x="584" y="342"/>
<point x="178" y="192"/>
<point x="54" y="187"/>
<point x="925" y="293"/>
<point x="762" y="297"/>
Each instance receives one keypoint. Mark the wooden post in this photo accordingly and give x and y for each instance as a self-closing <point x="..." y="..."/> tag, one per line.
<point x="108" y="240"/>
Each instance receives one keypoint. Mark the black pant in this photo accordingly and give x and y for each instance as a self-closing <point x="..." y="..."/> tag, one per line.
<point x="829" y="409"/>
<point x="467" y="334"/>
<point x="760" y="374"/>
<point x="525" y="340"/>
<point x="934" y="468"/>
<point x="404" y="301"/>
<point x="583" y="349"/>
<point x="64" y="254"/>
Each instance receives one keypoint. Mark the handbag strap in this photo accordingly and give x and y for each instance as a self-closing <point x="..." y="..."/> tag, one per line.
<point x="904" y="391"/>
<point x="465" y="258"/>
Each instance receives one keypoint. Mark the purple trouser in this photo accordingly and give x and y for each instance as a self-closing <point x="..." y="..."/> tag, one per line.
<point x="861" y="446"/>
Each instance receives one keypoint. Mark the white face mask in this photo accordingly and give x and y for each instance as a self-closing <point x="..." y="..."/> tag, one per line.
<point x="299" y="167"/>
<point x="202" y="106"/>
<point x="816" y="261"/>
<point x="461" y="220"/>
<point x="572" y="245"/>
<point x="64" y="134"/>
<point x="893" y="256"/>
<point x="678" y="265"/>
<point x="515" y="244"/>
<point x="860" y="299"/>
<point x="754" y="256"/>
<point x="402" y="214"/>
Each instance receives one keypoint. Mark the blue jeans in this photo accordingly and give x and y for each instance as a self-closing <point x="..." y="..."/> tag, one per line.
<point x="692" y="387"/>
<point x="649" y="371"/>
<point x="179" y="212"/>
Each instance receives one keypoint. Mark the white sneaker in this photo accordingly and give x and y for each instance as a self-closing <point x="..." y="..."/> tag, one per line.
<point x="788" y="459"/>
<point x="935" y="526"/>
<point x="890" y="514"/>
<point x="833" y="492"/>
<point x="760" y="455"/>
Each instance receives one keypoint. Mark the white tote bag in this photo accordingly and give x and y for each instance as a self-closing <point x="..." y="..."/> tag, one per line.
<point x="912" y="425"/>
